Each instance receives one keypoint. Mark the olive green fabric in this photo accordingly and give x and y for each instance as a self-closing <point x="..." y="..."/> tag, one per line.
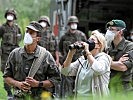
<point x="116" y="23"/>
<point x="119" y="77"/>
<point x="18" y="69"/>
<point x="49" y="42"/>
<point x="72" y="19"/>
<point x="46" y="19"/>
<point x="11" y="11"/>
<point x="34" y="25"/>
<point x="66" y="40"/>
<point x="11" y="36"/>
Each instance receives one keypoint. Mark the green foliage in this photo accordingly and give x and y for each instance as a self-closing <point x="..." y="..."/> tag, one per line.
<point x="27" y="10"/>
<point x="2" y="91"/>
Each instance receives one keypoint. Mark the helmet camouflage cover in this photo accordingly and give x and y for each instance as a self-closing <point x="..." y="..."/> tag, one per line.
<point x="11" y="11"/>
<point x="46" y="19"/>
<point x="72" y="19"/>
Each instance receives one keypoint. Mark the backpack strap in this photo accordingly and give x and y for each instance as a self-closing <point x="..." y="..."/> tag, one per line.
<point x="37" y="62"/>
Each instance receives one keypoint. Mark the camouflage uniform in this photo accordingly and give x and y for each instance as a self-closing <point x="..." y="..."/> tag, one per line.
<point x="70" y="38"/>
<point x="66" y="40"/>
<point x="11" y="36"/>
<point x="48" y="39"/>
<point x="49" y="42"/>
<point x="67" y="84"/>
<point x="18" y="69"/>
<point x="118" y="77"/>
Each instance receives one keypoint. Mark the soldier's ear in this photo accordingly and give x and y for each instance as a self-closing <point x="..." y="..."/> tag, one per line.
<point x="38" y="38"/>
<point x="120" y="32"/>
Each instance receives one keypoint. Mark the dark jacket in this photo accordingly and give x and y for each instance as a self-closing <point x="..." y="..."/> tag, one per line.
<point x="11" y="37"/>
<point x="48" y="41"/>
<point x="70" y="38"/>
<point x="19" y="63"/>
<point x="123" y="47"/>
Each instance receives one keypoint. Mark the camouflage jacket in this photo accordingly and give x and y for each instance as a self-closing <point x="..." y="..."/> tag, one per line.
<point x="48" y="41"/>
<point x="123" y="47"/>
<point x="70" y="38"/>
<point x="11" y="36"/>
<point x="18" y="69"/>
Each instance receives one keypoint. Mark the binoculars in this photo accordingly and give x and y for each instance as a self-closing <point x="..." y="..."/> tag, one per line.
<point x="76" y="46"/>
<point x="80" y="46"/>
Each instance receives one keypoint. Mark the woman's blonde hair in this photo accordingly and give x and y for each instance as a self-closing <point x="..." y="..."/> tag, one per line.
<point x="101" y="39"/>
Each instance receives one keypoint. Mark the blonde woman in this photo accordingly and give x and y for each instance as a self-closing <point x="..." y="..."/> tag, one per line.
<point x="92" y="70"/>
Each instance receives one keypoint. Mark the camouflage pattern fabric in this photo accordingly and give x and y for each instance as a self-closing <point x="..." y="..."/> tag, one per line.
<point x="49" y="42"/>
<point x="11" y="36"/>
<point x="66" y="40"/>
<point x="19" y="68"/>
<point x="118" y="77"/>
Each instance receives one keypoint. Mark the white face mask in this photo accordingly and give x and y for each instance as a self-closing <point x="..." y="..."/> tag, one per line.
<point x="73" y="26"/>
<point x="109" y="36"/>
<point x="28" y="39"/>
<point x="43" y="24"/>
<point x="10" y="17"/>
<point x="132" y="37"/>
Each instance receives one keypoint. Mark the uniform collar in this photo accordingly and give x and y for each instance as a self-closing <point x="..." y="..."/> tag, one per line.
<point x="121" y="45"/>
<point x="36" y="53"/>
<point x="69" y="33"/>
<point x="6" y="24"/>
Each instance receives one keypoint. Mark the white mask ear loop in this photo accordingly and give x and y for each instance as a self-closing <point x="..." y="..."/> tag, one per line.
<point x="123" y="29"/>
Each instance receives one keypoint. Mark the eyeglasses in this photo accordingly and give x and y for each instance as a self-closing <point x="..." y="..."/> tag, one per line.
<point x="91" y="39"/>
<point x="112" y="29"/>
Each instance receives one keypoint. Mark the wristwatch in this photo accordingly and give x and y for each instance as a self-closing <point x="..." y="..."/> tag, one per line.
<point x="40" y="84"/>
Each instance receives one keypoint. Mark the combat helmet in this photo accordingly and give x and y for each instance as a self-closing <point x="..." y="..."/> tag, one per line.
<point x="72" y="19"/>
<point x="45" y="18"/>
<point x="11" y="11"/>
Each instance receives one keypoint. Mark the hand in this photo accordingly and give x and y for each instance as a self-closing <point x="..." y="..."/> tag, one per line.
<point x="32" y="82"/>
<point x="72" y="52"/>
<point x="23" y="86"/>
<point x="124" y="58"/>
<point x="85" y="45"/>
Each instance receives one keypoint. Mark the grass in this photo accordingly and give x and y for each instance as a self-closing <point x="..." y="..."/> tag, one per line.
<point x="2" y="91"/>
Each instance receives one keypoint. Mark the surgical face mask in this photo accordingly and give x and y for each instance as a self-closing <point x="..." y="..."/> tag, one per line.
<point x="91" y="44"/>
<point x="28" y="39"/>
<point x="10" y="17"/>
<point x="73" y="26"/>
<point x="109" y="36"/>
<point x="132" y="37"/>
<point x="43" y="24"/>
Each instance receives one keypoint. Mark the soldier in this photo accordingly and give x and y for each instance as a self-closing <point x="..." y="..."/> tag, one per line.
<point x="11" y="35"/>
<point x="35" y="71"/>
<point x="48" y="39"/>
<point x="71" y="36"/>
<point x="121" y="73"/>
